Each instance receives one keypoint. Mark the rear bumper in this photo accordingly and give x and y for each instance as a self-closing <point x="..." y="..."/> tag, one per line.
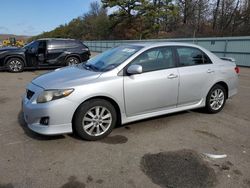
<point x="232" y="92"/>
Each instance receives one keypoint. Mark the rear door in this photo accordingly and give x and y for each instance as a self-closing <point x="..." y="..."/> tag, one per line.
<point x="196" y="74"/>
<point x="156" y="87"/>
<point x="78" y="48"/>
<point x="55" y="52"/>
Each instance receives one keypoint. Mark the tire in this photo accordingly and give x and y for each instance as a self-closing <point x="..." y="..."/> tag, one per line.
<point x="72" y="61"/>
<point x="90" y="126"/>
<point x="216" y="99"/>
<point x="15" y="65"/>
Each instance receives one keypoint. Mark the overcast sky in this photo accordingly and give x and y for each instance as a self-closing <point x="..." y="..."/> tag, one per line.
<point x="32" y="17"/>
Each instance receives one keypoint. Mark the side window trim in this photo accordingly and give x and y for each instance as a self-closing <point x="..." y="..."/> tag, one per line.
<point x="203" y="55"/>
<point x="178" y="58"/>
<point x="173" y="56"/>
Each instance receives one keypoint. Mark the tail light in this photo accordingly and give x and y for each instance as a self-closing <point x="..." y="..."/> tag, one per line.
<point x="237" y="70"/>
<point x="85" y="49"/>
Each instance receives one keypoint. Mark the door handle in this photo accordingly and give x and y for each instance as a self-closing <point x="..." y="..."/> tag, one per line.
<point x="210" y="71"/>
<point x="171" y="76"/>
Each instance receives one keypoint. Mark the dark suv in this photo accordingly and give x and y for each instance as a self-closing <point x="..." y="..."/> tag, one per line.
<point x="44" y="53"/>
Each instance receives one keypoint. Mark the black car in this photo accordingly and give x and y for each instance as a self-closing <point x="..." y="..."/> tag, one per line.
<point x="44" y="53"/>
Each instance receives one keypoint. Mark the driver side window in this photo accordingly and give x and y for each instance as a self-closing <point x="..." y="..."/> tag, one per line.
<point x="155" y="59"/>
<point x="34" y="47"/>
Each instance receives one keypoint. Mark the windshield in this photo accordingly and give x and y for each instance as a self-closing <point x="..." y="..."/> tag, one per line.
<point x="28" y="45"/>
<point x="111" y="58"/>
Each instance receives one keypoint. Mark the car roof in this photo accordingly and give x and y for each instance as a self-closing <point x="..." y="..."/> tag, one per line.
<point x="149" y="45"/>
<point x="158" y="44"/>
<point x="57" y="39"/>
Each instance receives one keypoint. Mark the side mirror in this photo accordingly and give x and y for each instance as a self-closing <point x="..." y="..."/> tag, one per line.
<point x="134" y="69"/>
<point x="40" y="57"/>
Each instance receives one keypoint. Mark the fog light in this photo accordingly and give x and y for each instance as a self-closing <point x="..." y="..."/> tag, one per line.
<point x="44" y="121"/>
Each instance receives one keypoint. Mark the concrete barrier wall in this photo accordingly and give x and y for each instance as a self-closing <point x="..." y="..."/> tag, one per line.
<point x="236" y="47"/>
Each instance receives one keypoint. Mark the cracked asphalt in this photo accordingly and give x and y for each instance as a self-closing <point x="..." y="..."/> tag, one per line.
<point x="160" y="152"/>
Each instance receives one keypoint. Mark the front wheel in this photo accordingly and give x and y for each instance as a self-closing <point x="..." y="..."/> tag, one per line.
<point x="15" y="65"/>
<point x="94" y="119"/>
<point x="216" y="99"/>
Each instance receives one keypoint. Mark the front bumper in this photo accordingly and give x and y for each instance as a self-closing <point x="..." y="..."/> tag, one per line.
<point x="60" y="113"/>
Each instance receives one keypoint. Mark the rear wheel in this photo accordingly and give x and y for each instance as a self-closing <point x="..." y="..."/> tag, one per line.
<point x="15" y="65"/>
<point x="72" y="61"/>
<point x="95" y="119"/>
<point x="216" y="99"/>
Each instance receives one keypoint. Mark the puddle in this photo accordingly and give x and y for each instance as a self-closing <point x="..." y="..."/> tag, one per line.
<point x="226" y="165"/>
<point x="89" y="179"/>
<point x="3" y="100"/>
<point x="207" y="134"/>
<point x="246" y="182"/>
<point x="73" y="183"/>
<point x="182" y="169"/>
<point x="117" y="139"/>
<point x="9" y="185"/>
<point x="100" y="181"/>
<point x="131" y="183"/>
<point x="237" y="172"/>
<point x="127" y="127"/>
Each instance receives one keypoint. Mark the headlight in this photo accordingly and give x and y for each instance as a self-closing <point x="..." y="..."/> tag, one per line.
<point x="49" y="95"/>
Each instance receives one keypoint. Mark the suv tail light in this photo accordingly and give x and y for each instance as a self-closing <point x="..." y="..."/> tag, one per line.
<point x="85" y="49"/>
<point x="237" y="70"/>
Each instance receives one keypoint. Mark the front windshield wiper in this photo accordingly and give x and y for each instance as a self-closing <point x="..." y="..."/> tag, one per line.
<point x="90" y="67"/>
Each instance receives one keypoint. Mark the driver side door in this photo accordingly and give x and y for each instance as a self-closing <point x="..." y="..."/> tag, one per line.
<point x="156" y="88"/>
<point x="31" y="54"/>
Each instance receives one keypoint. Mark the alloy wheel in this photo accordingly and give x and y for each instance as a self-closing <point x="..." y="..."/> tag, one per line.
<point x="72" y="61"/>
<point x="97" y="121"/>
<point x="217" y="99"/>
<point x="15" y="65"/>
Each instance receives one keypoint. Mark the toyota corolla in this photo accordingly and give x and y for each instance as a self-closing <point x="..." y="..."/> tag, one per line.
<point x="126" y="84"/>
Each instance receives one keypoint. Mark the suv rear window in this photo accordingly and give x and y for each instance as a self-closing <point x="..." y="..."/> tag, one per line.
<point x="72" y="44"/>
<point x="57" y="44"/>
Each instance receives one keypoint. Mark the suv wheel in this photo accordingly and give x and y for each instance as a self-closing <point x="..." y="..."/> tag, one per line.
<point x="15" y="65"/>
<point x="72" y="61"/>
<point x="95" y="119"/>
<point x="216" y="99"/>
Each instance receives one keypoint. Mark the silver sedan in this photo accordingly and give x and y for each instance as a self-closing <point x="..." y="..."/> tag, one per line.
<point x="125" y="84"/>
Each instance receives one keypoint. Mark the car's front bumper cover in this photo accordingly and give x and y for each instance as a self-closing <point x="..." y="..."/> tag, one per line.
<point x="60" y="113"/>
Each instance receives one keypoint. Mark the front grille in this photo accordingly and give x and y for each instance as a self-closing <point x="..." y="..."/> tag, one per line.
<point x="29" y="94"/>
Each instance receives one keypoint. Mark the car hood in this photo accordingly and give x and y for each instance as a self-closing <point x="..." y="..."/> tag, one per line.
<point x="68" y="77"/>
<point x="8" y="49"/>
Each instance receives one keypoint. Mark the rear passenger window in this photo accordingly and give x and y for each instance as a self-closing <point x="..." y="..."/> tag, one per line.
<point x="55" y="44"/>
<point x="155" y="59"/>
<point x="71" y="44"/>
<point x="189" y="56"/>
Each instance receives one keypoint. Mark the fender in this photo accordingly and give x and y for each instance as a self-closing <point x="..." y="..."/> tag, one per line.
<point x="119" y="109"/>
<point x="216" y="82"/>
<point x="15" y="56"/>
<point x="103" y="95"/>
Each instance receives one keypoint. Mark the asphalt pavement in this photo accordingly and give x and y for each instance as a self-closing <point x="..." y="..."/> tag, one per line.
<point x="166" y="151"/>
